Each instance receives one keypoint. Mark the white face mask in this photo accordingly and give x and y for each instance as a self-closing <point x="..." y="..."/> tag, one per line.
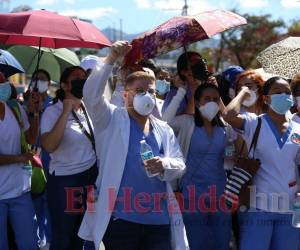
<point x="250" y="99"/>
<point x="144" y="104"/>
<point x="42" y="86"/>
<point x="209" y="110"/>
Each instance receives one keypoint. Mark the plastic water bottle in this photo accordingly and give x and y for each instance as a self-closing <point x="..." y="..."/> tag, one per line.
<point x="229" y="154"/>
<point x="296" y="211"/>
<point x="146" y="154"/>
<point x="229" y="149"/>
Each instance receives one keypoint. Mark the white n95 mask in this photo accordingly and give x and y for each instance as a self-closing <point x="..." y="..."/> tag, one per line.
<point x="209" y="110"/>
<point x="250" y="100"/>
<point x="144" y="104"/>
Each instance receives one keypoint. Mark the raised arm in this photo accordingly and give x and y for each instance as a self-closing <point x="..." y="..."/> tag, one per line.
<point x="51" y="138"/>
<point x="98" y="107"/>
<point x="117" y="96"/>
<point x="231" y="114"/>
<point x="170" y="114"/>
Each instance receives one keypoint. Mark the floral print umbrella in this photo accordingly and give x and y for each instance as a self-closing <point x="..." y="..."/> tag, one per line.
<point x="180" y="31"/>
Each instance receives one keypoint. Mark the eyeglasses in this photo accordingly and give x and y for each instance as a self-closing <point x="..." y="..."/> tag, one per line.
<point x="141" y="91"/>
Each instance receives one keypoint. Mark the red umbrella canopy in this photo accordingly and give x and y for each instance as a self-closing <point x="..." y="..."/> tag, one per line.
<point x="48" y="29"/>
<point x="180" y="31"/>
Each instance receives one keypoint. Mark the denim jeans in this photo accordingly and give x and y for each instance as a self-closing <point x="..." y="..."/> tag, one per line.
<point x="43" y="221"/>
<point x="20" y="213"/>
<point x="125" y="235"/>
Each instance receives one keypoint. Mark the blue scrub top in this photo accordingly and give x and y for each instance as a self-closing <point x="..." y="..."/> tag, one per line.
<point x="205" y="161"/>
<point x="135" y="178"/>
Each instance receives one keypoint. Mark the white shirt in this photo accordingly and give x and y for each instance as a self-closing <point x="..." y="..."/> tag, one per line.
<point x="14" y="178"/>
<point x="75" y="153"/>
<point x="278" y="156"/>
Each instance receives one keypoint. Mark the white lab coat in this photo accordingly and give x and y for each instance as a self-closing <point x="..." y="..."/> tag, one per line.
<point x="112" y="130"/>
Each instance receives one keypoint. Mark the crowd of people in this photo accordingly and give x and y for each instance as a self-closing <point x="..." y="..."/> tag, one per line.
<point x="155" y="165"/>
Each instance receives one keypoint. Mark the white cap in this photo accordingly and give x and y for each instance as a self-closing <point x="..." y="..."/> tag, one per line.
<point x="90" y="62"/>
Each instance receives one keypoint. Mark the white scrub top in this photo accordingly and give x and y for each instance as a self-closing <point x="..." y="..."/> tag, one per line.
<point x="276" y="179"/>
<point x="15" y="179"/>
<point x="75" y="153"/>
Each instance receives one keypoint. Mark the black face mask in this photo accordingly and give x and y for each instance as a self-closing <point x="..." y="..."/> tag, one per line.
<point x="77" y="88"/>
<point x="200" y="71"/>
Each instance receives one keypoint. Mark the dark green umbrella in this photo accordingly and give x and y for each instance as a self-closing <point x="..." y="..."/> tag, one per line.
<point x="55" y="61"/>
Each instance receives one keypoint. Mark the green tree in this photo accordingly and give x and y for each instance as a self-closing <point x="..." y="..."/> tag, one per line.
<point x="21" y="8"/>
<point x="294" y="28"/>
<point x="244" y="43"/>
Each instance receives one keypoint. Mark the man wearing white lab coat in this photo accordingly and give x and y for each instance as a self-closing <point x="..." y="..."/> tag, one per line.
<point x="113" y="127"/>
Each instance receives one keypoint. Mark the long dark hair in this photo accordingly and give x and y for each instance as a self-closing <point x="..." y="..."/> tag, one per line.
<point x="183" y="62"/>
<point x="217" y="121"/>
<point x="45" y="72"/>
<point x="224" y="86"/>
<point x="270" y="82"/>
<point x="60" y="93"/>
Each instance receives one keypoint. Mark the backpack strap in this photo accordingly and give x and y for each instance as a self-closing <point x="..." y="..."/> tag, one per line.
<point x="15" y="109"/>
<point x="255" y="136"/>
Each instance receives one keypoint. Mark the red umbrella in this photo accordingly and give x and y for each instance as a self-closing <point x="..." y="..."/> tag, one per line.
<point x="181" y="31"/>
<point x="48" y="29"/>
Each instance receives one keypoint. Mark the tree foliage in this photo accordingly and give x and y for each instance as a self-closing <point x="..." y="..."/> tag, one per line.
<point x="243" y="44"/>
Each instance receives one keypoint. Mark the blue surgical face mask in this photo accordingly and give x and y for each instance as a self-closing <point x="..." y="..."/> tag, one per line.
<point x="281" y="103"/>
<point x="162" y="87"/>
<point x="5" y="91"/>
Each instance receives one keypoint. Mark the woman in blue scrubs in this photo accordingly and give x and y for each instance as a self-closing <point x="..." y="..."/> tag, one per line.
<point x="267" y="224"/>
<point x="203" y="139"/>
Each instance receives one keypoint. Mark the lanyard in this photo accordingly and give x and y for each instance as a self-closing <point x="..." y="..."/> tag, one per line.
<point x="90" y="135"/>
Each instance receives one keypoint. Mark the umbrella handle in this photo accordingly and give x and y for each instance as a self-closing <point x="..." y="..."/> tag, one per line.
<point x="185" y="51"/>
<point x="40" y="54"/>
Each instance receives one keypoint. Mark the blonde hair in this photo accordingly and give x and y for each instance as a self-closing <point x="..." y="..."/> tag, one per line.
<point x="139" y="75"/>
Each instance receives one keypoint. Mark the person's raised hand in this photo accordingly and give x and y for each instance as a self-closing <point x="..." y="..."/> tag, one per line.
<point x="68" y="106"/>
<point x="212" y="80"/>
<point x="118" y="49"/>
<point x="35" y="102"/>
